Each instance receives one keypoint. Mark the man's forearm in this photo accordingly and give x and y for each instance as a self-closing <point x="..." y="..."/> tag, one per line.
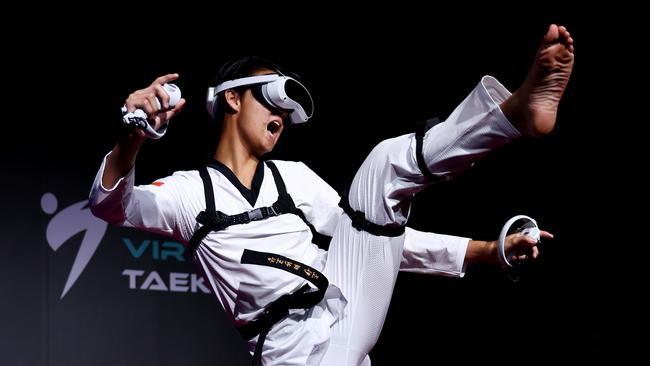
<point x="122" y="158"/>
<point x="481" y="251"/>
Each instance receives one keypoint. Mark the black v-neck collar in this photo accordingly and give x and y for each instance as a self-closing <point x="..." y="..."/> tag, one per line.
<point x="249" y="194"/>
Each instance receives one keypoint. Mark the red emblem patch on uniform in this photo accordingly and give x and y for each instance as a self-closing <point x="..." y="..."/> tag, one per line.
<point x="157" y="183"/>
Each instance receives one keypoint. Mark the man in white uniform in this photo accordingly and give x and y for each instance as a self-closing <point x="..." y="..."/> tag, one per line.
<point x="246" y="220"/>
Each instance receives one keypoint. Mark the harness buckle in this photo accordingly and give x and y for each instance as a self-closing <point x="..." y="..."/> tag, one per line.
<point x="255" y="214"/>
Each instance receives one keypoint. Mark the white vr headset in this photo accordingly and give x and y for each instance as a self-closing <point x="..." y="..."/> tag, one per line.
<point x="274" y="91"/>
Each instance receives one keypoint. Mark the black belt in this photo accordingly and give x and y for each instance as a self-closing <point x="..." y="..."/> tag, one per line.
<point x="278" y="309"/>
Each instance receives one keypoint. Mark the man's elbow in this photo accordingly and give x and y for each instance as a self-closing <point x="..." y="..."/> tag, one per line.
<point x="103" y="210"/>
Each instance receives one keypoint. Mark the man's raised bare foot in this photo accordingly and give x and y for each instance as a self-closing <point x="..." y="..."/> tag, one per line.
<point x="533" y="107"/>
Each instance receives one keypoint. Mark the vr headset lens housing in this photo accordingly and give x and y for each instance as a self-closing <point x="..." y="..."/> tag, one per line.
<point x="276" y="92"/>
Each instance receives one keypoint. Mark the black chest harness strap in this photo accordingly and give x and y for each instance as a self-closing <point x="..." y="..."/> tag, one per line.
<point x="213" y="220"/>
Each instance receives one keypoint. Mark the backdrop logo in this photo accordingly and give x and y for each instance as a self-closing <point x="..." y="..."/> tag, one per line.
<point x="69" y="222"/>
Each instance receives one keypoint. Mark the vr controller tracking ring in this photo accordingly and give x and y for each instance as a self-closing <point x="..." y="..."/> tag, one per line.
<point x="527" y="227"/>
<point x="138" y="118"/>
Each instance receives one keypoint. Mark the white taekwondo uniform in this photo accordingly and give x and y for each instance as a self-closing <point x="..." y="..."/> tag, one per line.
<point x="361" y="267"/>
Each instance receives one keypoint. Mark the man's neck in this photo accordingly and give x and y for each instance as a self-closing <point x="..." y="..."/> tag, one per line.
<point x="239" y="161"/>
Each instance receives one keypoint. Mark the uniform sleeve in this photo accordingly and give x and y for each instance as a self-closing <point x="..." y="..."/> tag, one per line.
<point x="154" y="207"/>
<point x="315" y="198"/>
<point x="435" y="254"/>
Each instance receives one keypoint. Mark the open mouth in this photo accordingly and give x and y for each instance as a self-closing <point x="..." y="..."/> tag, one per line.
<point x="273" y="127"/>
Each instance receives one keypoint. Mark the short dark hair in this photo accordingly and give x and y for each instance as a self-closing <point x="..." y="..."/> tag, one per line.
<point x="244" y="66"/>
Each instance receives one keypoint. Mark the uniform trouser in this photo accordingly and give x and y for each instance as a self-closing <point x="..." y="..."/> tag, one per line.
<point x="365" y="266"/>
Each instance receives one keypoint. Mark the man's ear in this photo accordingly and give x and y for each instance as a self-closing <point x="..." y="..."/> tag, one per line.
<point x="233" y="99"/>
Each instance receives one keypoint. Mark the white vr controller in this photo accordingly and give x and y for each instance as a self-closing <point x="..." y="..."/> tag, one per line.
<point x="525" y="226"/>
<point x="138" y="118"/>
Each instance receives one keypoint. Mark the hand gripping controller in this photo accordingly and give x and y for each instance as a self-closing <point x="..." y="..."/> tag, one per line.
<point x="523" y="225"/>
<point x="138" y="118"/>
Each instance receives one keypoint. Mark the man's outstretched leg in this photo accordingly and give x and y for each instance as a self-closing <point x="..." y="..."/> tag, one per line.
<point x="365" y="266"/>
<point x="533" y="107"/>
